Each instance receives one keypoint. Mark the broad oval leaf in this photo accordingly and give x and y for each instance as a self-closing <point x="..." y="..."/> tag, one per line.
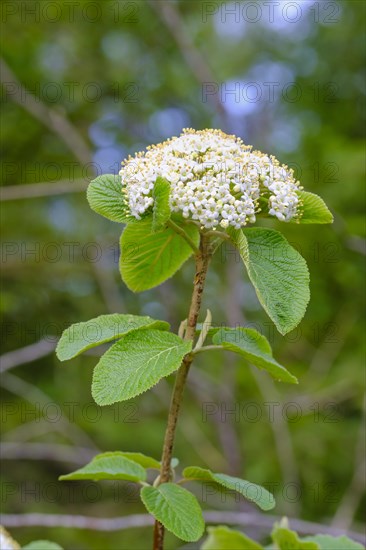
<point x="278" y="272"/>
<point x="136" y="363"/>
<point x="105" y="196"/>
<point x="142" y="459"/>
<point x="255" y="348"/>
<point x="328" y="542"/>
<point x="255" y="493"/>
<point x="314" y="209"/>
<point x="176" y="508"/>
<point x="82" y="336"/>
<point x="148" y="259"/>
<point x="161" y="208"/>
<point x="223" y="538"/>
<point x="111" y="465"/>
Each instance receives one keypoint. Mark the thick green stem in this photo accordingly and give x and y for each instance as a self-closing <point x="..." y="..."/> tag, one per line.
<point x="202" y="260"/>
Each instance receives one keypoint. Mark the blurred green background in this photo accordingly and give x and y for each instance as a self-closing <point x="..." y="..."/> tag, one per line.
<point x="84" y="84"/>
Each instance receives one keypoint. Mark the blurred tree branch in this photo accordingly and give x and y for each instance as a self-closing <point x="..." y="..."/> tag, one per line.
<point x="46" y="451"/>
<point x="194" y="59"/>
<point x="34" y="395"/>
<point x="258" y="520"/>
<point x="53" y="119"/>
<point x="34" y="190"/>
<point x="26" y="355"/>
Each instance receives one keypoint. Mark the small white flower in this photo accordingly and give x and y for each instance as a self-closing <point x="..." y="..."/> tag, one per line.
<point x="214" y="179"/>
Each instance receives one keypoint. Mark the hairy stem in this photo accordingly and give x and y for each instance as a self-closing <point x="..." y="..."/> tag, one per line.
<point x="202" y="260"/>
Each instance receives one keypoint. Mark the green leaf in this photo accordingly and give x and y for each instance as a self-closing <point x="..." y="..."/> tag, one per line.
<point x="286" y="539"/>
<point x="255" y="348"/>
<point x="112" y="465"/>
<point x="82" y="336"/>
<point x="223" y="538"/>
<point x="148" y="259"/>
<point x="42" y="545"/>
<point x="176" y="508"/>
<point x="327" y="542"/>
<point x="161" y="209"/>
<point x="144" y="460"/>
<point x="136" y="363"/>
<point x="255" y="493"/>
<point x="314" y="209"/>
<point x="278" y="272"/>
<point x="106" y="197"/>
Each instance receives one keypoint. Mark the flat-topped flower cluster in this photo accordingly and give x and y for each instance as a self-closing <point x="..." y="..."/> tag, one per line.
<point x="214" y="179"/>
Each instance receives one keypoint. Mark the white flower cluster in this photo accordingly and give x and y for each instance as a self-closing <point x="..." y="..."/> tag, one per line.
<point x="215" y="179"/>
